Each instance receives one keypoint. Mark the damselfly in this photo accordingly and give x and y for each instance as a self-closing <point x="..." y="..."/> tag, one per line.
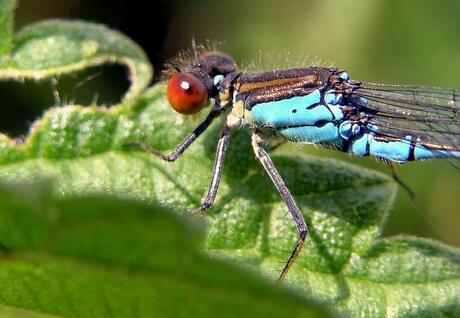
<point x="312" y="105"/>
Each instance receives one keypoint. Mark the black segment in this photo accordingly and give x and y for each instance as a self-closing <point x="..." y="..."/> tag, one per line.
<point x="278" y="85"/>
<point x="411" y="156"/>
<point x="322" y="74"/>
<point x="368" y="148"/>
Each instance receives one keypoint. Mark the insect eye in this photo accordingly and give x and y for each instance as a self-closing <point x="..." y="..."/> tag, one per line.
<point x="186" y="94"/>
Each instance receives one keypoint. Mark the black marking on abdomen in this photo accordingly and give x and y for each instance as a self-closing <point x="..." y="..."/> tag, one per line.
<point x="368" y="147"/>
<point x="346" y="144"/>
<point x="321" y="123"/>
<point x="318" y="124"/>
<point x="313" y="106"/>
<point x="411" y="156"/>
<point x="330" y="110"/>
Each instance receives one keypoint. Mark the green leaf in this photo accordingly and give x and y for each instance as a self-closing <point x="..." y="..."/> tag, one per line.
<point x="105" y="257"/>
<point x="344" y="262"/>
<point x="54" y="47"/>
<point x="6" y="27"/>
<point x="11" y="312"/>
<point x="72" y="256"/>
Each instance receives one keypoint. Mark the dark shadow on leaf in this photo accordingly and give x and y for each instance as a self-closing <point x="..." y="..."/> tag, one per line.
<point x="24" y="102"/>
<point x="158" y="167"/>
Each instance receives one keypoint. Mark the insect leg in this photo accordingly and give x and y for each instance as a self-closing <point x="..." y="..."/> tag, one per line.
<point x="398" y="180"/>
<point x="297" y="216"/>
<point x="216" y="171"/>
<point x="179" y="150"/>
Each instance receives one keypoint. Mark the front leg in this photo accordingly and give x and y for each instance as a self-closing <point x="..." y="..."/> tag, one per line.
<point x="222" y="146"/>
<point x="267" y="163"/>
<point x="179" y="150"/>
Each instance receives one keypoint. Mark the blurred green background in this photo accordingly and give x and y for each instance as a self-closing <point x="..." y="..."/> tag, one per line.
<point x="398" y="42"/>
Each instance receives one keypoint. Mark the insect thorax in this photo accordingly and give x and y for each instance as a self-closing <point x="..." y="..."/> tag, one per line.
<point x="260" y="99"/>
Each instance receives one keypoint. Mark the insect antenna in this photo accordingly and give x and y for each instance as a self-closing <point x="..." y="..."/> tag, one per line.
<point x="175" y="66"/>
<point x="195" y="48"/>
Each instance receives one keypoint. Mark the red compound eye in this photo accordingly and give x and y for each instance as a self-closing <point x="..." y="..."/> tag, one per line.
<point x="186" y="93"/>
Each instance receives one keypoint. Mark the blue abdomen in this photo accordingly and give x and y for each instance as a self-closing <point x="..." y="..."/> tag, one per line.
<point x="306" y="119"/>
<point x="319" y="118"/>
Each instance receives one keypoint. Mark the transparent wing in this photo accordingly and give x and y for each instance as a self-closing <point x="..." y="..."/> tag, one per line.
<point x="427" y="114"/>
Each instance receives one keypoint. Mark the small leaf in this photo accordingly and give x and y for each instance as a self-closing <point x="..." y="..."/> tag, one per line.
<point x="55" y="47"/>
<point x="6" y="27"/>
<point x="101" y="257"/>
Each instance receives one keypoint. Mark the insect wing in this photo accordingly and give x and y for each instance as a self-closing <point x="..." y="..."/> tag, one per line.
<point x="425" y="115"/>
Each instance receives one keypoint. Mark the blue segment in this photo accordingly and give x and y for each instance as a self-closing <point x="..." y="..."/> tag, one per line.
<point x="217" y="79"/>
<point x="397" y="151"/>
<point x="348" y="129"/>
<point x="420" y="152"/>
<point x="344" y="76"/>
<point x="294" y="112"/>
<point x="337" y="111"/>
<point x="290" y="112"/>
<point x="330" y="97"/>
<point x="326" y="134"/>
<point x="360" y="145"/>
